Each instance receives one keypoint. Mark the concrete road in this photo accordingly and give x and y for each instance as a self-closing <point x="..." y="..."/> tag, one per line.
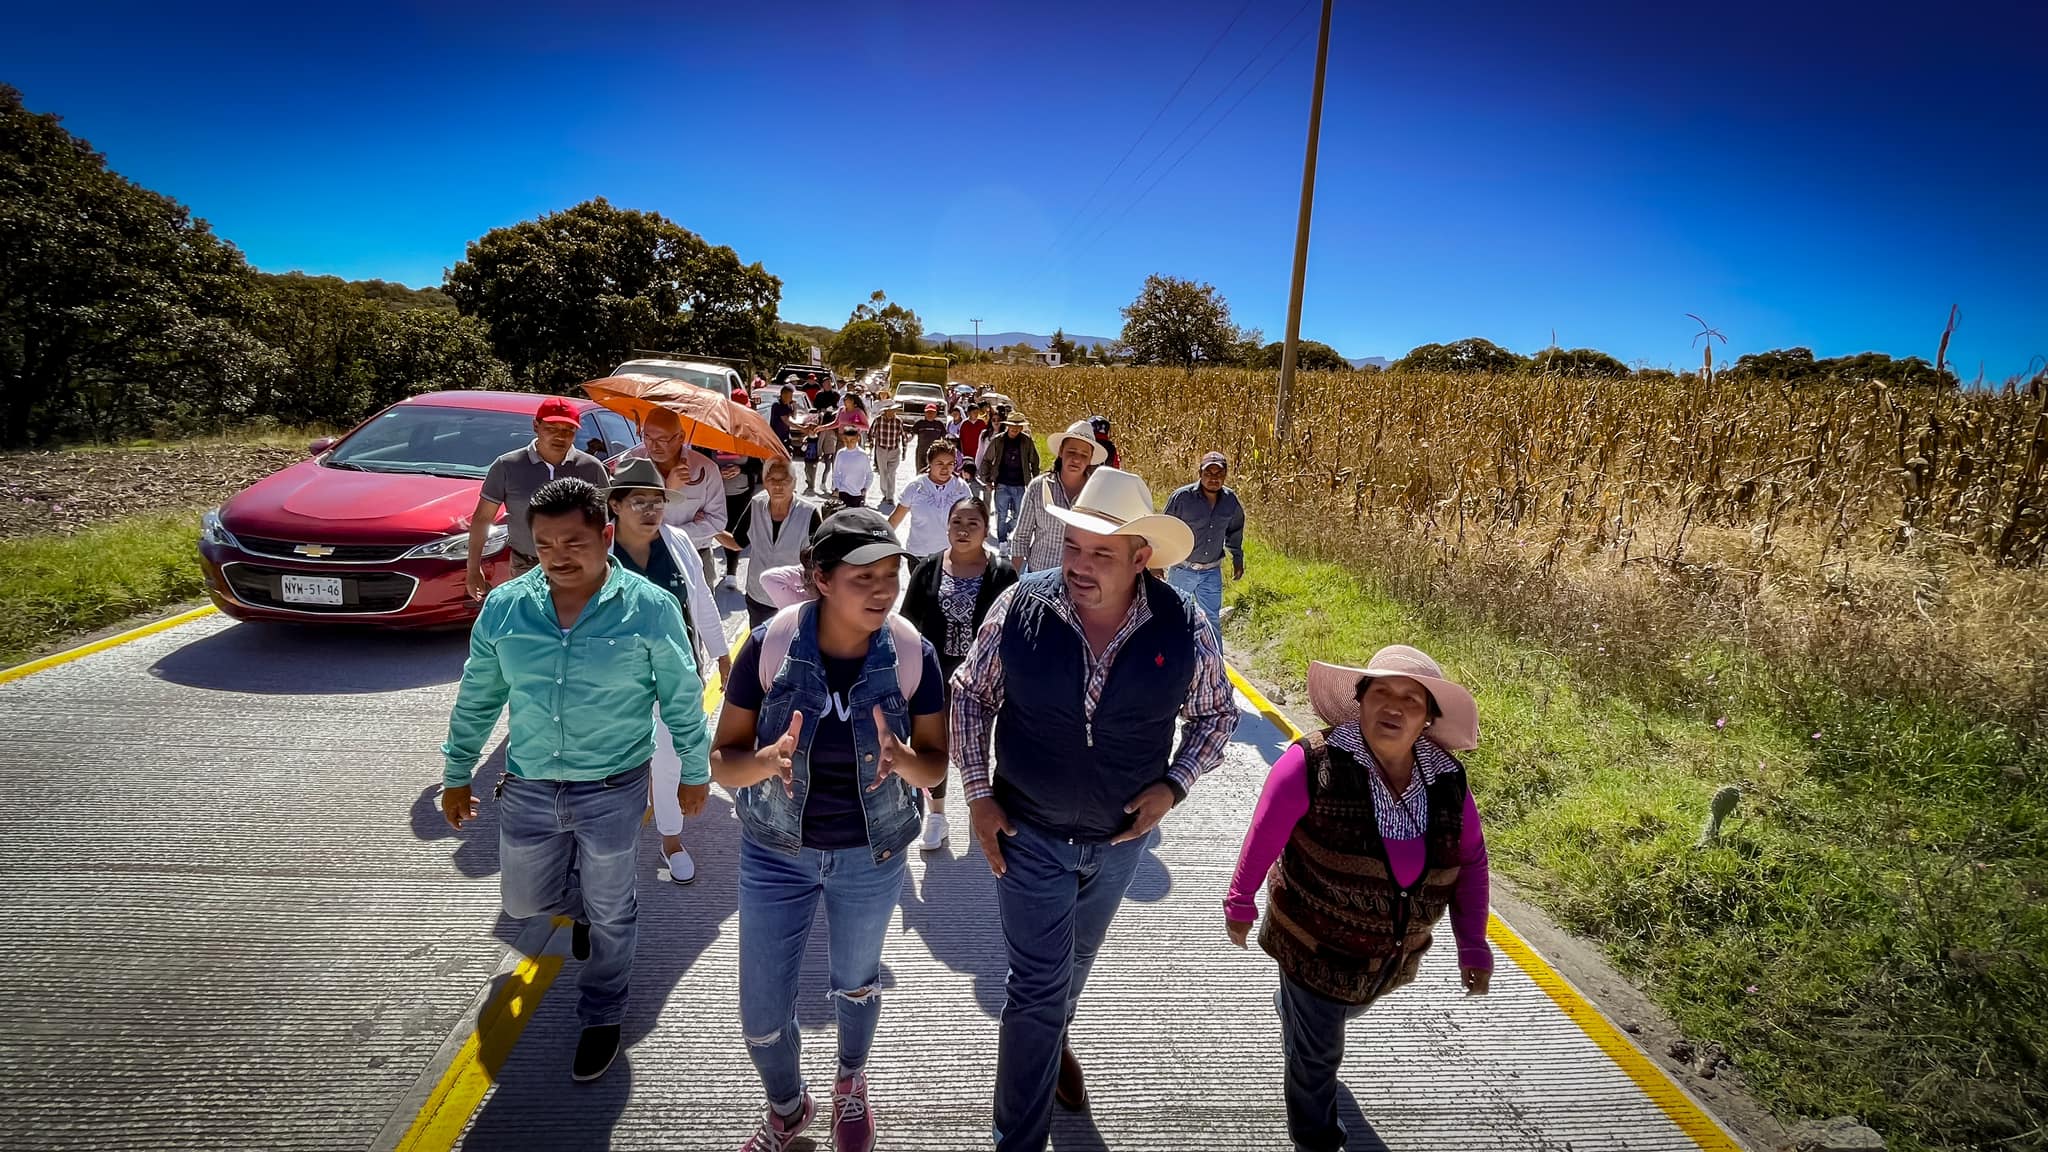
<point x="237" y="921"/>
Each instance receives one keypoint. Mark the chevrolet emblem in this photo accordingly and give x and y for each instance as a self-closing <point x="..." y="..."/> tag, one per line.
<point x="314" y="551"/>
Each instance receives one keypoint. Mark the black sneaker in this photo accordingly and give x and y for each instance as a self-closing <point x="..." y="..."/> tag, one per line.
<point x="595" y="1052"/>
<point x="579" y="943"/>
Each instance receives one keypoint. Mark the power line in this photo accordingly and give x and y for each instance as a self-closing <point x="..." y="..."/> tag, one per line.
<point x="1270" y="68"/>
<point x="1178" y="89"/>
<point x="1227" y="85"/>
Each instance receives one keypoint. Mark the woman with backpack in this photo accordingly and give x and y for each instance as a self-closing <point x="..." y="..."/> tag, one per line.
<point x="948" y="598"/>
<point x="1369" y="834"/>
<point x="833" y="719"/>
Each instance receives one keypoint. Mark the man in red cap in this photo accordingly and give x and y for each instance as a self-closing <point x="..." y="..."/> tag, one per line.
<point x="517" y="475"/>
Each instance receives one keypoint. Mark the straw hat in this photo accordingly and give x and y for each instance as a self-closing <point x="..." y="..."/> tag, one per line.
<point x="1084" y="432"/>
<point x="1333" y="693"/>
<point x="1117" y="503"/>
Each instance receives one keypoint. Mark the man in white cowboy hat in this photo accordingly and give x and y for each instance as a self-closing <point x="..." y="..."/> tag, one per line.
<point x="1216" y="517"/>
<point x="1037" y="543"/>
<point x="1081" y="778"/>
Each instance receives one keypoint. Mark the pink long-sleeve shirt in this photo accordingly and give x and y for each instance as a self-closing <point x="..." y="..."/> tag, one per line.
<point x="1285" y="801"/>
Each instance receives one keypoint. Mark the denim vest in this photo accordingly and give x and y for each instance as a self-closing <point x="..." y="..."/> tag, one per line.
<point x="773" y="817"/>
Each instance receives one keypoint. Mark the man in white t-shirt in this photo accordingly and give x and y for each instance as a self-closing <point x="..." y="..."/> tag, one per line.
<point x="928" y="501"/>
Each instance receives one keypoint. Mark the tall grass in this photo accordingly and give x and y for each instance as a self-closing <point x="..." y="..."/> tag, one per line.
<point x="1859" y="538"/>
<point x="55" y="587"/>
<point x="1832" y="597"/>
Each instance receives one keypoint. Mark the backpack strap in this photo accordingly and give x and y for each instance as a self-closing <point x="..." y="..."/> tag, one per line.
<point x="909" y="656"/>
<point x="776" y="641"/>
<point x="1317" y="749"/>
<point x="782" y="633"/>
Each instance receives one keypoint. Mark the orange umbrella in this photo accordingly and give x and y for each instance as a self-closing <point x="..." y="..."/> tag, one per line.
<point x="709" y="420"/>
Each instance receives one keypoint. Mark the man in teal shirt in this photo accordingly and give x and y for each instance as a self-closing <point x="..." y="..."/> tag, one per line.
<point x="583" y="651"/>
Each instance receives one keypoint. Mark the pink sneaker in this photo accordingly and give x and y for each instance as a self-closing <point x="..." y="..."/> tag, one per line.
<point x="853" y="1125"/>
<point x="776" y="1133"/>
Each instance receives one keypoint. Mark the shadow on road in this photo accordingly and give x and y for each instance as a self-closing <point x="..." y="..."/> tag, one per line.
<point x="535" y="1104"/>
<point x="953" y="911"/>
<point x="476" y="850"/>
<point x="289" y="660"/>
<point x="1359" y="1135"/>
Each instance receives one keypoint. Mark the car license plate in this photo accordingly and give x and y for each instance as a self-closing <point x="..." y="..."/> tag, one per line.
<point x="312" y="590"/>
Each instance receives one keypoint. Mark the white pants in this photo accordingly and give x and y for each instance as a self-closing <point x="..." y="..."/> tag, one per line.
<point x="666" y="777"/>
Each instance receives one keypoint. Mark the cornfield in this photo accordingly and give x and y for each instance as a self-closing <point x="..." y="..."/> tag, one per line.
<point x="1890" y="539"/>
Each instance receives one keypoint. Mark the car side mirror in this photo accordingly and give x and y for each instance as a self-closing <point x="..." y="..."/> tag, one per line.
<point x="320" y="445"/>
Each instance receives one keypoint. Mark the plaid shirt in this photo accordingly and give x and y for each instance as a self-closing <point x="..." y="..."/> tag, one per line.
<point x="885" y="431"/>
<point x="1210" y="711"/>
<point x="1040" y="539"/>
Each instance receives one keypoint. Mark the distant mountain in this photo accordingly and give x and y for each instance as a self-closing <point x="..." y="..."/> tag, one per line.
<point x="1004" y="339"/>
<point x="1372" y="361"/>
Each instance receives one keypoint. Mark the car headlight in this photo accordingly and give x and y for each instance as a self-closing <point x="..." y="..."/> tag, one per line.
<point x="456" y="547"/>
<point x="213" y="531"/>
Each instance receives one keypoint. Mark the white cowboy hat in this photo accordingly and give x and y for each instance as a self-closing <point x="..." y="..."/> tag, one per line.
<point x="1084" y="432"/>
<point x="1117" y="503"/>
<point x="1333" y="693"/>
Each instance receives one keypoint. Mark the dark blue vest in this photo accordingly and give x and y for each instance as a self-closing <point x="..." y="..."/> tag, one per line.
<point x="1055" y="768"/>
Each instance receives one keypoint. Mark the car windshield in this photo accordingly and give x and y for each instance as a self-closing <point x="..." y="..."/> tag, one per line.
<point x="715" y="381"/>
<point x="434" y="440"/>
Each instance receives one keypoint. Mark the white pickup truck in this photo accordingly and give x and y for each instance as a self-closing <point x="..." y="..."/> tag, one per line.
<point x="716" y="377"/>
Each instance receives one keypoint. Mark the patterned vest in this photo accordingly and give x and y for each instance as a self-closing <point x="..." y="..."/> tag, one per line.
<point x="1335" y="920"/>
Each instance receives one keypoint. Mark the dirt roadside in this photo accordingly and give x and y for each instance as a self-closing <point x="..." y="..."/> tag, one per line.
<point x="66" y="491"/>
<point x="1716" y="1085"/>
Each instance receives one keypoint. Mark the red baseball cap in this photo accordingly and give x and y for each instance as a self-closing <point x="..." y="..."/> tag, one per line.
<point x="555" y="410"/>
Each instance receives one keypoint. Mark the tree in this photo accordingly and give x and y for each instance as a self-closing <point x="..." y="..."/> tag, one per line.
<point x="906" y="331"/>
<point x="1059" y="343"/>
<point x="421" y="349"/>
<point x="1309" y="356"/>
<point x="1179" y="322"/>
<point x="118" y="309"/>
<point x="566" y="296"/>
<point x="1585" y="363"/>
<point x="1471" y="354"/>
<point x="861" y="345"/>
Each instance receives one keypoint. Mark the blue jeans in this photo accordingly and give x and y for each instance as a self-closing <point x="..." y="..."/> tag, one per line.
<point x="549" y="829"/>
<point x="1312" y="1035"/>
<point x="1056" y="900"/>
<point x="1009" y="502"/>
<point x="778" y="896"/>
<point x="1207" y="589"/>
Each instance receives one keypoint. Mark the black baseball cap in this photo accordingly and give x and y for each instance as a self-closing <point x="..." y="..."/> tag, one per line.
<point x="854" y="536"/>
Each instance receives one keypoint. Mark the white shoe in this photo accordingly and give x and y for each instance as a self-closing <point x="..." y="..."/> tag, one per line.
<point x="934" y="837"/>
<point x="681" y="869"/>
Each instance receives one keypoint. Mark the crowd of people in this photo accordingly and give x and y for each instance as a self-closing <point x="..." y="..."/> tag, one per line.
<point x="1060" y="653"/>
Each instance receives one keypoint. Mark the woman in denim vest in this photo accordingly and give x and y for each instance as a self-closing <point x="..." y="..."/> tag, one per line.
<point x="824" y="764"/>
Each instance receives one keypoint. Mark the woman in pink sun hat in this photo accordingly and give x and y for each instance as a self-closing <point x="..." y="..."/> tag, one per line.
<point x="1365" y="836"/>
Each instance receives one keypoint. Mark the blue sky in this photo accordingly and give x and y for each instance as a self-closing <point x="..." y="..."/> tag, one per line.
<point x="1797" y="173"/>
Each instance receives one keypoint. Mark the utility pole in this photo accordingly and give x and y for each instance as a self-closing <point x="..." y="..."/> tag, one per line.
<point x="977" y="334"/>
<point x="1308" y="197"/>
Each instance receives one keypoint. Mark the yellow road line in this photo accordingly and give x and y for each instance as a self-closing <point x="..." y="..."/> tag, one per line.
<point x="469" y="1076"/>
<point x="1679" y="1107"/>
<point x="84" y="650"/>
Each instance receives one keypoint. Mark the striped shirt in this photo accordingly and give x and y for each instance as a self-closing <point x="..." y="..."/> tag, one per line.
<point x="1405" y="817"/>
<point x="1210" y="712"/>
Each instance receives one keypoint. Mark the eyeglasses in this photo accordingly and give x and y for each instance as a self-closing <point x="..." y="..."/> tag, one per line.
<point x="645" y="504"/>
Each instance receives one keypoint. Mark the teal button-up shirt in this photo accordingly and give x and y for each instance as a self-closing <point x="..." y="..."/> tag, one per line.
<point x="582" y="702"/>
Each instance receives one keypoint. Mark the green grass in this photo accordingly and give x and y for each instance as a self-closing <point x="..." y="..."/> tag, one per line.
<point x="1868" y="937"/>
<point x="54" y="587"/>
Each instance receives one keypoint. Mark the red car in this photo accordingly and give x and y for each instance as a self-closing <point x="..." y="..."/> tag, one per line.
<point x="375" y="527"/>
